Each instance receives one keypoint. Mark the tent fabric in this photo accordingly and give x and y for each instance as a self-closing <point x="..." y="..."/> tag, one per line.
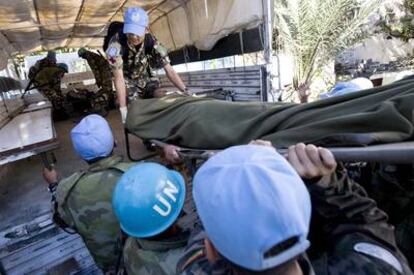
<point x="33" y="25"/>
<point x="378" y="115"/>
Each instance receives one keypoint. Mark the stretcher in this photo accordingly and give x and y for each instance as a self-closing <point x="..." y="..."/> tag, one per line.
<point x="393" y="153"/>
<point x="397" y="153"/>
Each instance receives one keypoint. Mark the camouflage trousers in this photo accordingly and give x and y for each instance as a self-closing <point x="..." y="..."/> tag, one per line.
<point x="55" y="97"/>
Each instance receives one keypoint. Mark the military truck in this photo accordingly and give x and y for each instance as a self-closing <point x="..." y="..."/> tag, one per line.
<point x="193" y="31"/>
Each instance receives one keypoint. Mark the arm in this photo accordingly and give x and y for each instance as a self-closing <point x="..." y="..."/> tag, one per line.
<point x="350" y="231"/>
<point x="114" y="55"/>
<point x="174" y="78"/>
<point x="51" y="176"/>
<point x="341" y="204"/>
<point x="344" y="206"/>
<point x="120" y="88"/>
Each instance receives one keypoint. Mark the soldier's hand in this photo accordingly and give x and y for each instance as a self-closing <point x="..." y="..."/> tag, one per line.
<point x="261" y="142"/>
<point x="171" y="154"/>
<point x="311" y="162"/>
<point x="187" y="92"/>
<point x="51" y="176"/>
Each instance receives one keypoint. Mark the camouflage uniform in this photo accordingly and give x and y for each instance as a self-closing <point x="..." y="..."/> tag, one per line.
<point x="85" y="204"/>
<point x="349" y="235"/>
<point x="40" y="64"/>
<point x="137" y="62"/>
<point x="47" y="77"/>
<point x="101" y="71"/>
<point x="145" y="256"/>
<point x="391" y="186"/>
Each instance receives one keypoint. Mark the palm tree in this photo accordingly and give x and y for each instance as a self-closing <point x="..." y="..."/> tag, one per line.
<point x="313" y="32"/>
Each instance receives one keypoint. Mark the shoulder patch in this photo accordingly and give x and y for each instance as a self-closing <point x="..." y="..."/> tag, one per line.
<point x="158" y="47"/>
<point x="379" y="253"/>
<point x="112" y="51"/>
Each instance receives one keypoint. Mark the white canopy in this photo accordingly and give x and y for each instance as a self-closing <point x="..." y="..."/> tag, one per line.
<point x="33" y="25"/>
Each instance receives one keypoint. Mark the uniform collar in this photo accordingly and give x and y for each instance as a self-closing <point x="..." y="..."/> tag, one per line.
<point x="165" y="244"/>
<point x="104" y="163"/>
<point x="134" y="48"/>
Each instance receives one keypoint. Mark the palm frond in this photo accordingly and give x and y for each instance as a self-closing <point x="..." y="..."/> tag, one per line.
<point x="313" y="32"/>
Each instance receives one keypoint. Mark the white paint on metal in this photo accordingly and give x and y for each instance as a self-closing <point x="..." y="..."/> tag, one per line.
<point x="27" y="129"/>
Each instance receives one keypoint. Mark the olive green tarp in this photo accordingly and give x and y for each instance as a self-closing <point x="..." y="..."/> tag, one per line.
<point x="379" y="115"/>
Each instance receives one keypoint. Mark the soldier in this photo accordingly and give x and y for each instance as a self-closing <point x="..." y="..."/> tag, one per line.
<point x="256" y="212"/>
<point x="148" y="200"/>
<point x="47" y="77"/>
<point x="49" y="60"/>
<point x="102" y="72"/>
<point x="83" y="200"/>
<point x="133" y="53"/>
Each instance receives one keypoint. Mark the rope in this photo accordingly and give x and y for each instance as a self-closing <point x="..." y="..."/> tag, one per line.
<point x="242" y="47"/>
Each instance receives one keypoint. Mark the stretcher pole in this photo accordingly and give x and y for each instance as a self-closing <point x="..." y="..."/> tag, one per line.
<point x="397" y="153"/>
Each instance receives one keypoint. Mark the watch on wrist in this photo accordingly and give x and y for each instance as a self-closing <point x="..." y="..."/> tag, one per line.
<point x="52" y="187"/>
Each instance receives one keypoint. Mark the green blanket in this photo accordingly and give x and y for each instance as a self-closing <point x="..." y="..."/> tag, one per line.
<point x="379" y="115"/>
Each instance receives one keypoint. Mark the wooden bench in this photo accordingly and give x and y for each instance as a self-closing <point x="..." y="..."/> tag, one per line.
<point x="247" y="83"/>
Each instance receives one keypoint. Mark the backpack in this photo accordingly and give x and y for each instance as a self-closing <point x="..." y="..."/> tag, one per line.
<point x="113" y="28"/>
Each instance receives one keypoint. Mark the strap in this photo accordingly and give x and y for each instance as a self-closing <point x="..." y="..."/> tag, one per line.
<point x="122" y="166"/>
<point x="192" y="258"/>
<point x="64" y="189"/>
<point x="120" y="251"/>
<point x="57" y="219"/>
<point x="148" y="43"/>
<point x="66" y="186"/>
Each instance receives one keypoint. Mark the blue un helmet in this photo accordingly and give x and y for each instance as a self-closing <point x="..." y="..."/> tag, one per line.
<point x="148" y="199"/>
<point x="92" y="138"/>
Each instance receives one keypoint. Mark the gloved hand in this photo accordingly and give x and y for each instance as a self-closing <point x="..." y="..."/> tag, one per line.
<point x="124" y="112"/>
<point x="261" y="142"/>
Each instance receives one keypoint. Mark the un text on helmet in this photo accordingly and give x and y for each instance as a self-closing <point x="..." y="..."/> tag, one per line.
<point x="163" y="206"/>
